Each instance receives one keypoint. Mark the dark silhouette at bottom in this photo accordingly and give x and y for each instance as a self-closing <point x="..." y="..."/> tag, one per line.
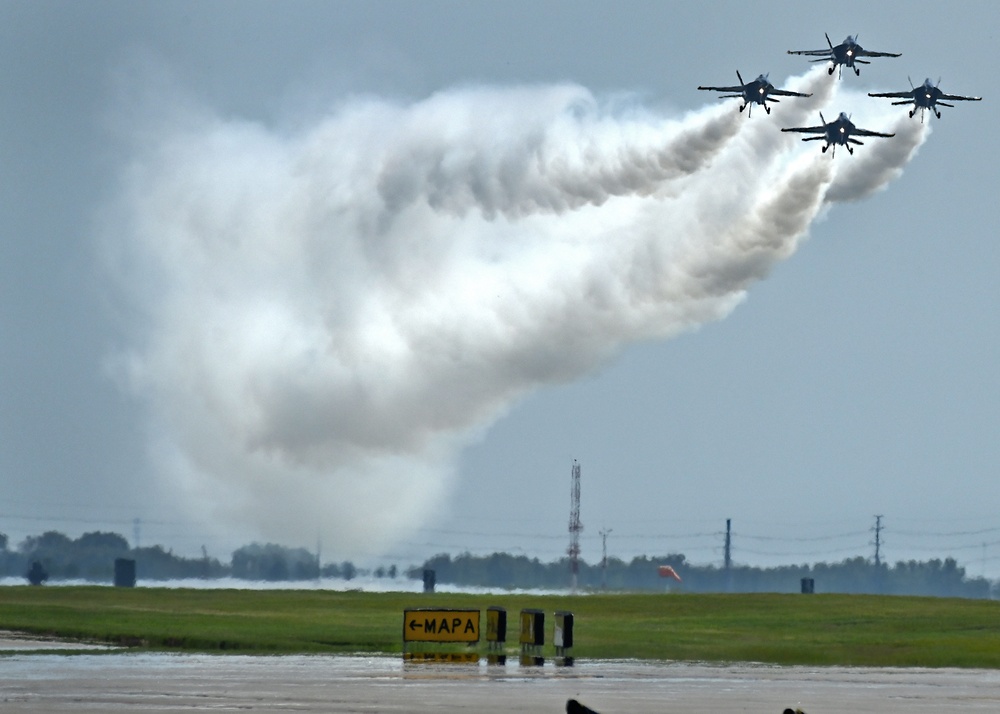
<point x="574" y="707"/>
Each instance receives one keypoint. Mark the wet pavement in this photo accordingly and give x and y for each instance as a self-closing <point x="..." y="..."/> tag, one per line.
<point x="120" y="682"/>
<point x="17" y="642"/>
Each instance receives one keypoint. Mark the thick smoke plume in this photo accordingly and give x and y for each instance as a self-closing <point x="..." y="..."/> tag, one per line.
<point x="324" y="317"/>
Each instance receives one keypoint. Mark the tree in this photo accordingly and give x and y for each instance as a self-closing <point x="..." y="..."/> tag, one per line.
<point x="37" y="574"/>
<point x="273" y="562"/>
<point x="102" y="541"/>
<point x="154" y="563"/>
<point x="49" y="540"/>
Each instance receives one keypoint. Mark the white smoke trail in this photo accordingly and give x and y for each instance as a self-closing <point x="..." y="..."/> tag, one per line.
<point x="326" y="317"/>
<point x="879" y="161"/>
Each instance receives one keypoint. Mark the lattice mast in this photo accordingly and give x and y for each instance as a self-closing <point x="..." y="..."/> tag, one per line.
<point x="878" y="540"/>
<point x="574" y="526"/>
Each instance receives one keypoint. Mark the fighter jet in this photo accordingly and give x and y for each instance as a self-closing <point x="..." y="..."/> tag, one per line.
<point x="926" y="96"/>
<point x="836" y="132"/>
<point x="846" y="54"/>
<point x="758" y="91"/>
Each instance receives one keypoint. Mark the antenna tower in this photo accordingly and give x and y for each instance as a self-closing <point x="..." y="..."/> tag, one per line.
<point x="574" y="526"/>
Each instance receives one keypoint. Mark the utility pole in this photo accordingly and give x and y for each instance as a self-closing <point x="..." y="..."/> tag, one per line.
<point x="728" y="555"/>
<point x="574" y="526"/>
<point x="319" y="548"/>
<point x="604" y="558"/>
<point x="879" y="575"/>
<point x="136" y="527"/>
<point x="878" y="540"/>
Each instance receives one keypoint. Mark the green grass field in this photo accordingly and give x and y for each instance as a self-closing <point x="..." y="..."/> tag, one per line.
<point x="772" y="628"/>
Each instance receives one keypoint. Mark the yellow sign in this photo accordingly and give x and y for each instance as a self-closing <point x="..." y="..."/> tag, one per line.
<point x="532" y="627"/>
<point x="496" y="624"/>
<point x="424" y="625"/>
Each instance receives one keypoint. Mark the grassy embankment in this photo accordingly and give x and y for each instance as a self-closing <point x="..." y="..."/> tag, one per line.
<point x="781" y="629"/>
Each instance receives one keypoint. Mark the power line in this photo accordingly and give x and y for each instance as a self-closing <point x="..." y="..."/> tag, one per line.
<point x="952" y="534"/>
<point x="804" y="539"/>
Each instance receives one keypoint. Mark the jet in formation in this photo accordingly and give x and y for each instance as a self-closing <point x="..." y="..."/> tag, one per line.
<point x="840" y="131"/>
<point x="926" y="96"/>
<point x="759" y="91"/>
<point x="846" y="54"/>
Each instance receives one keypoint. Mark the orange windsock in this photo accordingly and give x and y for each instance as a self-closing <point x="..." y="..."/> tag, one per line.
<point x="668" y="572"/>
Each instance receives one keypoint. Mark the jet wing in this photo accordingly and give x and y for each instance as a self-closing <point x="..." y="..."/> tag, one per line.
<point x="787" y="93"/>
<point x="723" y="89"/>
<point x="892" y="95"/>
<point x="808" y="129"/>
<point x="868" y="53"/>
<point x="958" y="98"/>
<point x="812" y="53"/>
<point x="866" y="132"/>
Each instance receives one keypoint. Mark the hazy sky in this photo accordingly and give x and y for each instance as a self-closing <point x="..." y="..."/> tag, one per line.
<point x="376" y="273"/>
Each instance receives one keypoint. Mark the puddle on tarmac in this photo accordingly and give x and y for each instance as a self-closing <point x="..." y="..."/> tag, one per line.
<point x="319" y="683"/>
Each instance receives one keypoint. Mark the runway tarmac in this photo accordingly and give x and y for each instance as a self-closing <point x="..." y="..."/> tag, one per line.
<point x="121" y="682"/>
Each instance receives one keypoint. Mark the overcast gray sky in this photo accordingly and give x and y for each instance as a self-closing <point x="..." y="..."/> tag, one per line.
<point x="159" y="326"/>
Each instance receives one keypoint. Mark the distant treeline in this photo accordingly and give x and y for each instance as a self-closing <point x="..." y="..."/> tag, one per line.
<point x="855" y="575"/>
<point x="92" y="557"/>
